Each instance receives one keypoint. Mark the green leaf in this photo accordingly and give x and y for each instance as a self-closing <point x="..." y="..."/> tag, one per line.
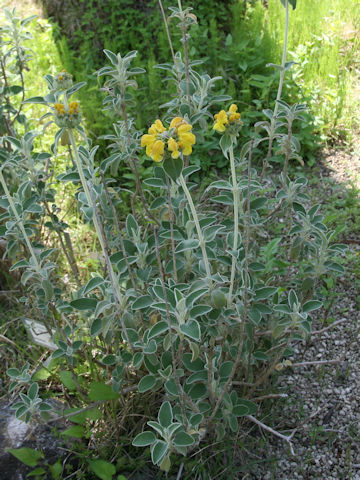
<point x="187" y="245"/>
<point x="103" y="469"/>
<point x="150" y="348"/>
<point x="142" y="302"/>
<point x="101" y="391"/>
<point x="158" y="451"/>
<point x="144" y="439"/>
<point x="199" y="310"/>
<point x="265" y="292"/>
<point x="76" y="431"/>
<point x="191" y="329"/>
<point x="92" y="284"/>
<point x="67" y="380"/>
<point x="158" y="202"/>
<point x="336" y="267"/>
<point x="146" y="383"/>
<point x="252" y="407"/>
<point x="35" y="100"/>
<point x="41" y="374"/>
<point x="190" y="170"/>
<point x="26" y="455"/>
<point x="93" y="414"/>
<point x="225" y="144"/>
<point x="311" y="305"/>
<point x="138" y="359"/>
<point x="158" y="329"/>
<point x="240" y="410"/>
<point x="173" y="167"/>
<point x="183" y="439"/>
<point x="35" y="473"/>
<point x="20" y="264"/>
<point x="33" y="391"/>
<point x="131" y="225"/>
<point x="225" y="370"/>
<point x="84" y="303"/>
<point x="171" y="388"/>
<point x="165" y="415"/>
<point x="56" y="470"/>
<point x="155" y="182"/>
<point x="96" y="327"/>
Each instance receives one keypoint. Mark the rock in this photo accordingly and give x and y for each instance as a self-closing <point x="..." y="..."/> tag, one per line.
<point x="17" y="434"/>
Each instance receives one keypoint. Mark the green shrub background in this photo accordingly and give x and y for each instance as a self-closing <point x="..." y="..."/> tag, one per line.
<point x="237" y="38"/>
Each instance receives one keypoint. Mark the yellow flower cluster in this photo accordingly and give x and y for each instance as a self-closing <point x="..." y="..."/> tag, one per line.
<point x="74" y="108"/>
<point x="178" y="138"/>
<point x="222" y="119"/>
<point x="67" y="117"/>
<point x="59" y="109"/>
<point x="62" y="80"/>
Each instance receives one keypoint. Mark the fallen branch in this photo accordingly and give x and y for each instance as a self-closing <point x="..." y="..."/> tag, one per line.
<point x="271" y="395"/>
<point x="316" y="362"/>
<point x="286" y="438"/>
<point x="338" y="322"/>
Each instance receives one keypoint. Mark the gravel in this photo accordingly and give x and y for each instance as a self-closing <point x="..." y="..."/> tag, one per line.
<point x="323" y="403"/>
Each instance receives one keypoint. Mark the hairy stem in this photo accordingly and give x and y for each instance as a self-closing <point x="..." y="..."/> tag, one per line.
<point x="236" y="223"/>
<point x="279" y="92"/>
<point x="197" y="225"/>
<point x="98" y="229"/>
<point x="19" y="221"/>
<point x="245" y="300"/>
<point x="167" y="30"/>
<point x="171" y="220"/>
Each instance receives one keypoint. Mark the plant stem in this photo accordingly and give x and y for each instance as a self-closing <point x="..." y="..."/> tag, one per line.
<point x="20" y="222"/>
<point x="167" y="30"/>
<point x="186" y="52"/>
<point x="236" y="222"/>
<point x="245" y="300"/>
<point x="118" y="230"/>
<point x="173" y="356"/>
<point x="279" y="92"/>
<point x="171" y="220"/>
<point x="197" y="225"/>
<point x="98" y="228"/>
<point x="134" y="168"/>
<point x="288" y="152"/>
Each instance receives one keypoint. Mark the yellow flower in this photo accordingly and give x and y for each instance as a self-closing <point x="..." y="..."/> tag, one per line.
<point x="157" y="151"/>
<point x="186" y="140"/>
<point x="234" y="115"/>
<point x="60" y="108"/>
<point x="156" y="128"/>
<point x="176" y="122"/>
<point x="148" y="141"/>
<point x="186" y="137"/>
<point x="221" y="120"/>
<point x="173" y="147"/>
<point x="180" y="141"/>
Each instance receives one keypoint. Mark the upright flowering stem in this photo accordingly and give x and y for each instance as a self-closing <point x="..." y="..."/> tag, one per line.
<point x="236" y="222"/>
<point x="98" y="229"/>
<point x="20" y="222"/>
<point x="186" y="53"/>
<point x="279" y="92"/>
<point x="197" y="225"/>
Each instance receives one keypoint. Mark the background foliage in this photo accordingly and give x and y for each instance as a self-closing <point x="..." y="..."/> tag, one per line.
<point x="236" y="39"/>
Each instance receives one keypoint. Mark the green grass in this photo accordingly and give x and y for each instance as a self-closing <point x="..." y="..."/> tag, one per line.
<point x="324" y="39"/>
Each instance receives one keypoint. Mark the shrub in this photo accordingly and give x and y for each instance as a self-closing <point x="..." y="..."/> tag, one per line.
<point x="198" y="299"/>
